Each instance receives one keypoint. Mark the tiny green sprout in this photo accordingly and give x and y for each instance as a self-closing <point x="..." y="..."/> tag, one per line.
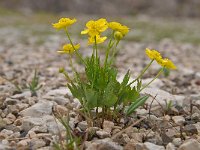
<point x="34" y="86"/>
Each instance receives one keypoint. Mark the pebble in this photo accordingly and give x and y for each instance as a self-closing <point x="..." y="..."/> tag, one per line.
<point x="179" y="120"/>
<point x="39" y="109"/>
<point x="83" y="125"/>
<point x="170" y="146"/>
<point x="177" y="142"/>
<point x="102" y="134"/>
<point x="104" y="144"/>
<point x="191" y="144"/>
<point x="151" y="146"/>
<point x="190" y="129"/>
<point x="61" y="110"/>
<point x="108" y="126"/>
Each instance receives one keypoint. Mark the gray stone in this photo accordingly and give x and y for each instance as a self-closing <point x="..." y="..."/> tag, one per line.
<point x="104" y="144"/>
<point x="39" y="109"/>
<point x="161" y="97"/>
<point x="2" y="123"/>
<point x="37" y="143"/>
<point x="83" y="125"/>
<point x="177" y="142"/>
<point x="191" y="144"/>
<point x="59" y="92"/>
<point x="108" y="126"/>
<point x="102" y="134"/>
<point x="10" y="101"/>
<point x="30" y="122"/>
<point x="22" y="95"/>
<point x="170" y="146"/>
<point x="53" y="125"/>
<point x="151" y="146"/>
<point x="179" y="120"/>
<point x="190" y="129"/>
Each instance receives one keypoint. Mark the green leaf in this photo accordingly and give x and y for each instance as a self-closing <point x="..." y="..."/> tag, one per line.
<point x="109" y="98"/>
<point x="139" y="102"/>
<point x="126" y="79"/>
<point x="91" y="98"/>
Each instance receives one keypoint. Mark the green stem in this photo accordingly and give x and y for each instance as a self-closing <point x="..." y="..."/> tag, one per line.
<point x="158" y="74"/>
<point x="77" y="53"/>
<point x="114" y="52"/>
<point x="108" y="49"/>
<point x="142" y="73"/>
<point x="95" y="45"/>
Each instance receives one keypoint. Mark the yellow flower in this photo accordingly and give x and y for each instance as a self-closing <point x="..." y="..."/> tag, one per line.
<point x="119" y="27"/>
<point x="68" y="49"/>
<point x="63" y="23"/>
<point x="95" y="27"/>
<point x="153" y="54"/>
<point x="91" y="40"/>
<point x="166" y="63"/>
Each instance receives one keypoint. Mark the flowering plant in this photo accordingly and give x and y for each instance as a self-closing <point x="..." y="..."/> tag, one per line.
<point x="101" y="95"/>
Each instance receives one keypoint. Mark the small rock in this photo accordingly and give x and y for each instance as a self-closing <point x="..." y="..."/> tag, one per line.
<point x="37" y="143"/>
<point x="39" y="129"/>
<point x="59" y="92"/>
<point x="197" y="75"/>
<point x="170" y="146"/>
<point x="61" y="110"/>
<point x="195" y="117"/>
<point x="151" y="146"/>
<point x="104" y="144"/>
<point x="161" y="97"/>
<point x="177" y="142"/>
<point x="190" y="129"/>
<point x="21" y="106"/>
<point x="2" y="123"/>
<point x="39" y="109"/>
<point x="23" y="144"/>
<point x="10" y="101"/>
<point x="22" y="95"/>
<point x="107" y="126"/>
<point x="29" y="122"/>
<point x="11" y="117"/>
<point x="83" y="125"/>
<point x="179" y="120"/>
<point x="7" y="132"/>
<point x="191" y="144"/>
<point x="141" y="112"/>
<point x="31" y="134"/>
<point x="103" y="134"/>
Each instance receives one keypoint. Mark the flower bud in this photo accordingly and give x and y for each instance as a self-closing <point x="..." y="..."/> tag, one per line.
<point x="118" y="35"/>
<point x="61" y="70"/>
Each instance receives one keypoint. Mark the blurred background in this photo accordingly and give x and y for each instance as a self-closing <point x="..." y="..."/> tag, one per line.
<point x="183" y="8"/>
<point x="27" y="39"/>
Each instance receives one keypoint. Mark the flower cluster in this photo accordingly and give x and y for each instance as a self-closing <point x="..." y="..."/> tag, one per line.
<point x="95" y="28"/>
<point x="100" y="87"/>
<point x="164" y="62"/>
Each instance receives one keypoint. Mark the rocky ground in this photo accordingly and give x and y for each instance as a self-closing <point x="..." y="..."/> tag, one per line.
<point x="28" y="122"/>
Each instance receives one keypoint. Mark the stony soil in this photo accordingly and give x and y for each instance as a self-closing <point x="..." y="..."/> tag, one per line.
<point x="28" y="122"/>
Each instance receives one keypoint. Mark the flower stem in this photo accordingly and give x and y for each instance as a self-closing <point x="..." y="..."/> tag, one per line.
<point x="77" y="53"/>
<point x="108" y="50"/>
<point x="114" y="52"/>
<point x="158" y="74"/>
<point x="95" y="45"/>
<point x="142" y="73"/>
